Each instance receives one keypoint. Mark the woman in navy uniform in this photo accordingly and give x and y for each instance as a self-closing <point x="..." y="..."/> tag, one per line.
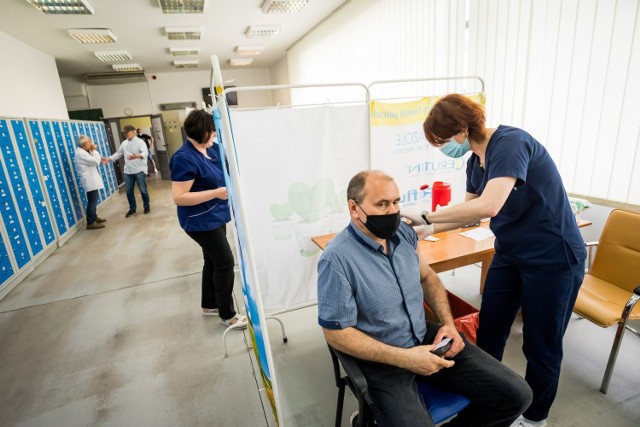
<point x="539" y="261"/>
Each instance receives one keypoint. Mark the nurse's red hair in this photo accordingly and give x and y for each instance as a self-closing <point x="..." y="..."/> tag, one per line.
<point x="451" y="115"/>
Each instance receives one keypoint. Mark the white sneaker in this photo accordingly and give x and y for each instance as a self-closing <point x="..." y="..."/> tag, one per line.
<point x="523" y="422"/>
<point x="353" y="418"/>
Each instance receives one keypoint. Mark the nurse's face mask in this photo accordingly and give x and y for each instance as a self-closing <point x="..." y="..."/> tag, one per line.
<point x="453" y="149"/>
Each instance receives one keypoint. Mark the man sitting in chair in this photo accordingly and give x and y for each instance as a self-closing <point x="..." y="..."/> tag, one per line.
<point x="371" y="284"/>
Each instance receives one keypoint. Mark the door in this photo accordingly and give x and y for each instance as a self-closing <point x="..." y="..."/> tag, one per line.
<point x="162" y="155"/>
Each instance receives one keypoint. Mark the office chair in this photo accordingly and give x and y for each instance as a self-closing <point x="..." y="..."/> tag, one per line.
<point x="611" y="288"/>
<point x="441" y="404"/>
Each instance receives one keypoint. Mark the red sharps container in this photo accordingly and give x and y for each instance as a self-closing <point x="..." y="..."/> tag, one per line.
<point x="440" y="194"/>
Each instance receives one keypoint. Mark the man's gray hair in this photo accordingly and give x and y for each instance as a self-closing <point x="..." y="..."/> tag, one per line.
<point x="82" y="139"/>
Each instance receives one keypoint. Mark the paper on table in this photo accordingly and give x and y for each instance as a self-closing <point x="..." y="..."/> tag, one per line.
<point x="478" y="234"/>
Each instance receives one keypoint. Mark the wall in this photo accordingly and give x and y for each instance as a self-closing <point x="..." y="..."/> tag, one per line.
<point x="183" y="86"/>
<point x="280" y="76"/>
<point x="29" y="82"/>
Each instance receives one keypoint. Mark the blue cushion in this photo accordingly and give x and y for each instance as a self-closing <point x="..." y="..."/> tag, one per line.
<point x="441" y="404"/>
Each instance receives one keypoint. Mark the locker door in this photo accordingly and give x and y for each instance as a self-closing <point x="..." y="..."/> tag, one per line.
<point x="47" y="176"/>
<point x="32" y="202"/>
<point x="57" y="172"/>
<point x="103" y="192"/>
<point x="38" y="198"/>
<point x="66" y="160"/>
<point x="96" y="131"/>
<point x="6" y="270"/>
<point x="10" y="205"/>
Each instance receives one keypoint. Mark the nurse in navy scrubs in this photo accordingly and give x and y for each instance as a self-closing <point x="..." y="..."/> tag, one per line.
<point x="539" y="260"/>
<point x="198" y="189"/>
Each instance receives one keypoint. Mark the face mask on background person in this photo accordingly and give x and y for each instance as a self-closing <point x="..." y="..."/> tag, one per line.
<point x="455" y="150"/>
<point x="382" y="226"/>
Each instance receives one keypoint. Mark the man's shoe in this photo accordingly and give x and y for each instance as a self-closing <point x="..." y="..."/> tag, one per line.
<point x="94" y="226"/>
<point x="147" y="210"/>
<point x="129" y="214"/>
<point x="100" y="220"/>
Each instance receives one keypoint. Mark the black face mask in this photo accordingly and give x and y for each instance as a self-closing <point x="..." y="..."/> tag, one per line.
<point x="382" y="226"/>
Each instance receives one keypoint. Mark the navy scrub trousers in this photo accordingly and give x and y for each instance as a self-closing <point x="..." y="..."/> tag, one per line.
<point x="546" y="294"/>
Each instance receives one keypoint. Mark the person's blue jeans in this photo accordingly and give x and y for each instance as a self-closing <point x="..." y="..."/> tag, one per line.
<point x="92" y="205"/>
<point x="498" y="395"/>
<point x="547" y="295"/>
<point x="129" y="182"/>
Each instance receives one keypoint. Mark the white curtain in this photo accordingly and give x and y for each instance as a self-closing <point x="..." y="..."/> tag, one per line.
<point x="568" y="72"/>
<point x="564" y="70"/>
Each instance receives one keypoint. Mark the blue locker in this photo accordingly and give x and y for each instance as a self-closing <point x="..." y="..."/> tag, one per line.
<point x="56" y="169"/>
<point x="47" y="175"/>
<point x="30" y="169"/>
<point x="66" y="159"/>
<point x="6" y="270"/>
<point x="71" y="147"/>
<point x="20" y="187"/>
<point x="8" y="207"/>
<point x="103" y="192"/>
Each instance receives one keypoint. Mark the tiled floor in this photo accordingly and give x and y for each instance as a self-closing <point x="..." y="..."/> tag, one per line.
<point x="107" y="332"/>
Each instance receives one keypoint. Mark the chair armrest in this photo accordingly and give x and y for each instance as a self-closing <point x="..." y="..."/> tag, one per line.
<point x="592" y="243"/>
<point x="637" y="290"/>
<point x="353" y="371"/>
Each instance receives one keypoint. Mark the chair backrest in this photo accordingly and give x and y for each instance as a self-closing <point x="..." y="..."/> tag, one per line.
<point x="617" y="259"/>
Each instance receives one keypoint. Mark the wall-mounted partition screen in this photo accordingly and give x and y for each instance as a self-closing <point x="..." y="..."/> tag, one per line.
<point x="41" y="199"/>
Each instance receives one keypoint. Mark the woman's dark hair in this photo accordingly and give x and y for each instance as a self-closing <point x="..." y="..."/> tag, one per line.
<point x="451" y="115"/>
<point x="199" y="126"/>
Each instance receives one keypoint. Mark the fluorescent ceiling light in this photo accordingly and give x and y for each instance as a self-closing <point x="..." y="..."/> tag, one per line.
<point x="283" y="6"/>
<point x="181" y="6"/>
<point x="127" y="67"/>
<point x="183" y="33"/>
<point x="185" y="64"/>
<point x="262" y="31"/>
<point x="184" y="51"/>
<point x="113" y="55"/>
<point x="248" y="50"/>
<point x="240" y="62"/>
<point x="93" y="35"/>
<point x="63" y="7"/>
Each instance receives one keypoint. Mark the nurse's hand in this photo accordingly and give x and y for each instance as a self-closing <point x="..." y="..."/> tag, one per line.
<point x="415" y="217"/>
<point x="221" y="193"/>
<point x="424" y="230"/>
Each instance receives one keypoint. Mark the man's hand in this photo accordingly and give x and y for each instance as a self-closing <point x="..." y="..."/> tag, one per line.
<point x="449" y="331"/>
<point x="420" y="360"/>
<point x="134" y="156"/>
<point x="93" y="147"/>
<point x="105" y="160"/>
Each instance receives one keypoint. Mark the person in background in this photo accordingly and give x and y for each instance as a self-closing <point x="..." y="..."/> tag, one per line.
<point x="371" y="285"/>
<point x="198" y="189"/>
<point x="134" y="151"/>
<point x="539" y="260"/>
<point x="148" y="139"/>
<point x="87" y="160"/>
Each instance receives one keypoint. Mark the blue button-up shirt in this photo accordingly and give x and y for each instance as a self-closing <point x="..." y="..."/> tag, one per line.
<point x="360" y="286"/>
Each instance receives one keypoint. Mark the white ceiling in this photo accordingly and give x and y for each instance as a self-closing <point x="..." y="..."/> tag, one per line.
<point x="139" y="27"/>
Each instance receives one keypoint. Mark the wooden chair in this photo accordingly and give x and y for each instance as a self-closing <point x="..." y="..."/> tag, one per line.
<point x="611" y="288"/>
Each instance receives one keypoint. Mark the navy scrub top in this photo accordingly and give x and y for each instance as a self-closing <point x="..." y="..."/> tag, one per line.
<point x="536" y="225"/>
<point x="189" y="164"/>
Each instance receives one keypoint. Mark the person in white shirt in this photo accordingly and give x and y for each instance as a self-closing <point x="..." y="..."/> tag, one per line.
<point x="87" y="160"/>
<point x="135" y="152"/>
